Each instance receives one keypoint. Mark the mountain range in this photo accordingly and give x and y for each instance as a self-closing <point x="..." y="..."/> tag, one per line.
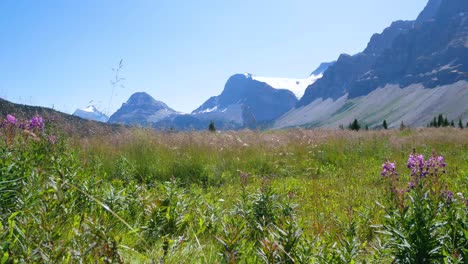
<point x="246" y="101"/>
<point x="410" y="72"/>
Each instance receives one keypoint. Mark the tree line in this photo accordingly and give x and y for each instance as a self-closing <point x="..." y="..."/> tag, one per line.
<point x="437" y="121"/>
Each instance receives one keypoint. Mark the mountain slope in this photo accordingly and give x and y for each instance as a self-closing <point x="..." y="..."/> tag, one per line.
<point x="414" y="105"/>
<point x="431" y="52"/>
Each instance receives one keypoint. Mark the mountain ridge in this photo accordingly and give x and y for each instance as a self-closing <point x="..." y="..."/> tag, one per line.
<point x="401" y="54"/>
<point x="430" y="53"/>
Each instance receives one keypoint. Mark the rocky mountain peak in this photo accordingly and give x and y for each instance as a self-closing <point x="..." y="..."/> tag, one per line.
<point x="142" y="109"/>
<point x="144" y="99"/>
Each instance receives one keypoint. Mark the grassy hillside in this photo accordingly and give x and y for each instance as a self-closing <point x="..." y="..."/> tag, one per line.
<point x="69" y="124"/>
<point x="295" y="196"/>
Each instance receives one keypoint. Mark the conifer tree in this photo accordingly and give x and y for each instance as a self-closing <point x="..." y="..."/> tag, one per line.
<point x="385" y="126"/>
<point x="446" y="122"/>
<point x="212" y="127"/>
<point x="440" y="120"/>
<point x="355" y="125"/>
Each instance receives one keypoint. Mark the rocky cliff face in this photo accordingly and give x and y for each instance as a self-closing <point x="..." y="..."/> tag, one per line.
<point x="411" y="71"/>
<point x="433" y="50"/>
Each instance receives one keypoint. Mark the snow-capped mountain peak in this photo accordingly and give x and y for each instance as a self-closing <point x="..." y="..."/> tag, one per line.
<point x="91" y="113"/>
<point x="90" y="109"/>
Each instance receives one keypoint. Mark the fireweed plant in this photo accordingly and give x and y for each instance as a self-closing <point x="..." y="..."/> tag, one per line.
<point x="44" y="216"/>
<point x="424" y="222"/>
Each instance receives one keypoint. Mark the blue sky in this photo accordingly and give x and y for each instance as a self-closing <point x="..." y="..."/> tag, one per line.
<point x="61" y="53"/>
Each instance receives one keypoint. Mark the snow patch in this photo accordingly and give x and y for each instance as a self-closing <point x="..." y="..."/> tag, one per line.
<point x="209" y="110"/>
<point x="90" y="109"/>
<point x="297" y="86"/>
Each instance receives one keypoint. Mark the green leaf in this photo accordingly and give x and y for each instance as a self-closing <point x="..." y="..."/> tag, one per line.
<point x="4" y="258"/>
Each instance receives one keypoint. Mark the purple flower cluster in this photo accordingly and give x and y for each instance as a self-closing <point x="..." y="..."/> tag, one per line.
<point x="416" y="164"/>
<point x="37" y="122"/>
<point x="388" y="169"/>
<point x="11" y="126"/>
<point x="437" y="163"/>
<point x="447" y="195"/>
<point x="420" y="167"/>
<point x="11" y="119"/>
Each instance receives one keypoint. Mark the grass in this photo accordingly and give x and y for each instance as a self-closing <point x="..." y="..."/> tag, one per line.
<point x="139" y="196"/>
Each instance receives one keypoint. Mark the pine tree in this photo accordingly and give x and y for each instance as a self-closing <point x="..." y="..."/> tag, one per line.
<point x="446" y="122"/>
<point x="212" y="127"/>
<point x="402" y="125"/>
<point x="452" y="124"/>
<point x="385" y="126"/>
<point x="440" y="120"/>
<point x="460" y="124"/>
<point x="355" y="125"/>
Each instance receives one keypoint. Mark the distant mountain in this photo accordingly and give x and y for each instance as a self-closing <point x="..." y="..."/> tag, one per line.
<point x="414" y="59"/>
<point x="142" y="109"/>
<point x="91" y="113"/>
<point x="246" y="102"/>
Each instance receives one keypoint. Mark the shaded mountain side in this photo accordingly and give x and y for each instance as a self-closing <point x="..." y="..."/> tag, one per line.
<point x="433" y="50"/>
<point x="429" y="11"/>
<point x="322" y="68"/>
<point x="68" y="124"/>
<point x="338" y="78"/>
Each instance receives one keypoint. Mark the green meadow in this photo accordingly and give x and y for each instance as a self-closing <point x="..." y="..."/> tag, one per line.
<point x="291" y="196"/>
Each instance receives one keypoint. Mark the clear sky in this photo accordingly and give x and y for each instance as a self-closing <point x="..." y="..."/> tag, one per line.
<point x="61" y="53"/>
